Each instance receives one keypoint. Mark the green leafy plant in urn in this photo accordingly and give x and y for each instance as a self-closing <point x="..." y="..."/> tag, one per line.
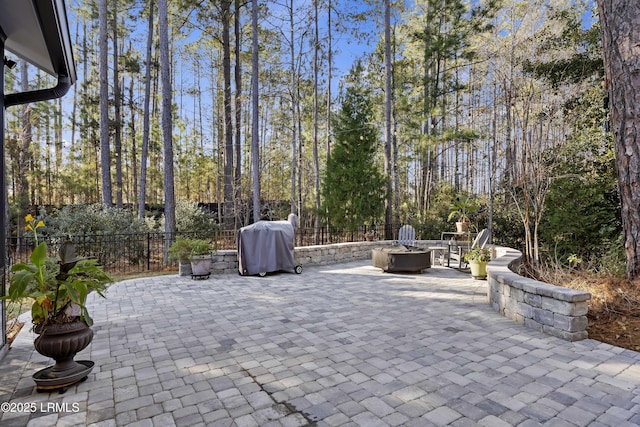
<point x="58" y="291"/>
<point x="463" y="206"/>
<point x="180" y="250"/>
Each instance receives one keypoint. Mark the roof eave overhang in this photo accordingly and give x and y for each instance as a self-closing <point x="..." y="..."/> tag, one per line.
<point x="38" y="32"/>
<point x="55" y="28"/>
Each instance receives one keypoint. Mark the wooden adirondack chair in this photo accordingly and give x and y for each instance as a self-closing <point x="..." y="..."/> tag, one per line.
<point x="407" y="236"/>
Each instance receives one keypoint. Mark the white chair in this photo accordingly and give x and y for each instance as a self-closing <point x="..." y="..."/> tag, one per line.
<point x="407" y="236"/>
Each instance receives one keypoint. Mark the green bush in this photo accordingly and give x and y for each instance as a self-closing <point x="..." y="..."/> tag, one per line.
<point x="507" y="224"/>
<point x="107" y="233"/>
<point x="191" y="218"/>
<point x="612" y="260"/>
<point x="582" y="209"/>
<point x="581" y="215"/>
<point x="430" y="225"/>
<point x="180" y="250"/>
<point x="184" y="249"/>
<point x="91" y="219"/>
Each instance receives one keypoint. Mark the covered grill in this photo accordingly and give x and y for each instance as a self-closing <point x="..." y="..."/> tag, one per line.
<point x="267" y="246"/>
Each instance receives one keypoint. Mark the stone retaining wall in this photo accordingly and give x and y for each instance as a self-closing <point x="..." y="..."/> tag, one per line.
<point x="555" y="310"/>
<point x="227" y="261"/>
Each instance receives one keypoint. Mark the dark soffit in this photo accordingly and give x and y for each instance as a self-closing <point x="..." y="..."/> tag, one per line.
<point x="38" y="32"/>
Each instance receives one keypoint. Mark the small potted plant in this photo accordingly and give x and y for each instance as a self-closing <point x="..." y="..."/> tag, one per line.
<point x="478" y="258"/>
<point x="201" y="257"/>
<point x="194" y="256"/>
<point x="180" y="250"/>
<point x="58" y="290"/>
<point x="463" y="206"/>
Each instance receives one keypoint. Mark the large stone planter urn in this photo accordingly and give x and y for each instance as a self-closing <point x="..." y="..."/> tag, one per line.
<point x="201" y="266"/>
<point x="61" y="342"/>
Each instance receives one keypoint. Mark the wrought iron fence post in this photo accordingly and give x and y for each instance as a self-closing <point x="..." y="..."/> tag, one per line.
<point x="148" y="251"/>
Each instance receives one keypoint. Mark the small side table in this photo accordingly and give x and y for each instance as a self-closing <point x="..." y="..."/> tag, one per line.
<point x="440" y="252"/>
<point x="458" y="239"/>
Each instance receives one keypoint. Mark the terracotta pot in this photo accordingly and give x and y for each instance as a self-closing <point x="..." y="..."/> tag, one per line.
<point x="462" y="227"/>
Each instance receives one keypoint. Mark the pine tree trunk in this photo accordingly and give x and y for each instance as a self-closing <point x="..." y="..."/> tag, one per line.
<point x="388" y="170"/>
<point x="145" y="118"/>
<point x="167" y="125"/>
<point x="24" y="154"/>
<point x="329" y="77"/>
<point x="255" y="142"/>
<point x="57" y="144"/>
<point x="238" y="78"/>
<point x="117" y="122"/>
<point x="74" y="120"/>
<point x="316" y="161"/>
<point x="620" y="26"/>
<point x="294" y="99"/>
<point x="105" y="155"/>
<point x="228" y="123"/>
<point x="134" y="145"/>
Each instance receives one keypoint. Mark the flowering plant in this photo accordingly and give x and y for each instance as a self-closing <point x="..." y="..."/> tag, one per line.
<point x="478" y="254"/>
<point x="58" y="290"/>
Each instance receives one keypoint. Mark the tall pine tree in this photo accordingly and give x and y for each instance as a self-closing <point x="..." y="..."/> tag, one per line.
<point x="353" y="186"/>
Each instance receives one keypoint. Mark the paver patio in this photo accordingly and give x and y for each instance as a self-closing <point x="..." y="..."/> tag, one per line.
<point x="340" y="345"/>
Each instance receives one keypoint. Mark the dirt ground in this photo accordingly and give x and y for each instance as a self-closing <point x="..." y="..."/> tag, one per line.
<point x="614" y="308"/>
<point x="614" y="312"/>
<point x="618" y="330"/>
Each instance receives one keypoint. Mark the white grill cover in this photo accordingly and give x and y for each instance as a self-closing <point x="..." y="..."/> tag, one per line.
<point x="266" y="246"/>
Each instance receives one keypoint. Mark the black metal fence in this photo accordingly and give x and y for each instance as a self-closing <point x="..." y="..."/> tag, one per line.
<point x="122" y="254"/>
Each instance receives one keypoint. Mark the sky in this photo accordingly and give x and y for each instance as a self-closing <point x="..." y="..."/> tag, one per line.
<point x="348" y="44"/>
